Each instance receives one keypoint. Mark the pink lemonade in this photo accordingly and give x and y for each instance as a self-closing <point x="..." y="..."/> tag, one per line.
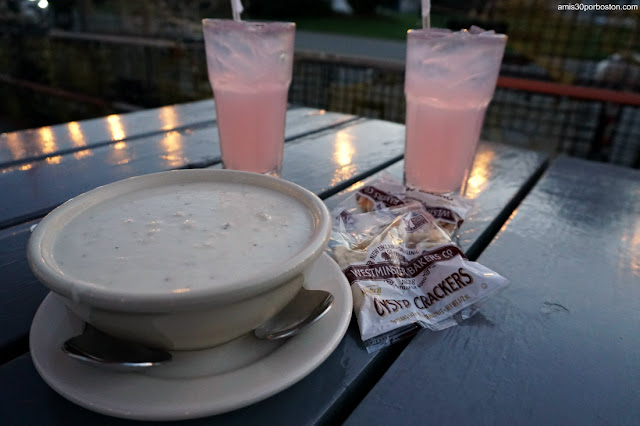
<point x="250" y="66"/>
<point x="251" y="126"/>
<point x="450" y="79"/>
<point x="440" y="144"/>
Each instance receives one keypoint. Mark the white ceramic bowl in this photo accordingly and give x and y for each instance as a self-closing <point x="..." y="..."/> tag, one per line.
<point x="185" y="317"/>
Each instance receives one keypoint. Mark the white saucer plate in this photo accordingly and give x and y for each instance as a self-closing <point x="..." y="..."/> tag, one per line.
<point x="197" y="383"/>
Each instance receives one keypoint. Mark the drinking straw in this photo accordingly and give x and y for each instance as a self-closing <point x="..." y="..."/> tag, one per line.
<point x="236" y="8"/>
<point x="426" y="10"/>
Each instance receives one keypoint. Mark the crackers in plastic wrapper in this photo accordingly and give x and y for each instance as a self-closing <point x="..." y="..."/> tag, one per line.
<point x="406" y="274"/>
<point x="383" y="193"/>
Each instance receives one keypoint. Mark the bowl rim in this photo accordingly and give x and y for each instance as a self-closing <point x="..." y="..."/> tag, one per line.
<point x="41" y="262"/>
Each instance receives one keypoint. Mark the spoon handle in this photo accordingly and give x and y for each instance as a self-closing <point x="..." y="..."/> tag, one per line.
<point x="97" y="347"/>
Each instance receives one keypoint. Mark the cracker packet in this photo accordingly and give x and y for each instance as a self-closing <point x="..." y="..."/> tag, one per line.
<point x="406" y="274"/>
<point x="385" y="192"/>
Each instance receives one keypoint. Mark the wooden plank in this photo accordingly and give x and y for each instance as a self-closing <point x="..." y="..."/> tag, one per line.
<point x="326" y="162"/>
<point x="327" y="394"/>
<point x="77" y="136"/>
<point x="561" y="344"/>
<point x="20" y="291"/>
<point x="40" y="186"/>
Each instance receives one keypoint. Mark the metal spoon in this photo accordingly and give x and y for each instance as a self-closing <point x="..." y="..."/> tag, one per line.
<point x="307" y="307"/>
<point x="98" y="348"/>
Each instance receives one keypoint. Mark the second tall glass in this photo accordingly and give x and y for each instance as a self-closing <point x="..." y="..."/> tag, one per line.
<point x="250" y="66"/>
<point x="450" y="79"/>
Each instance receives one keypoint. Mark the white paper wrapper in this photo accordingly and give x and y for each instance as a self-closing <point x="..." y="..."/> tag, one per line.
<point x="386" y="192"/>
<point x="406" y="274"/>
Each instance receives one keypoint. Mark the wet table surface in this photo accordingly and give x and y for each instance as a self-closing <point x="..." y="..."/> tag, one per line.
<point x="561" y="345"/>
<point x="570" y="317"/>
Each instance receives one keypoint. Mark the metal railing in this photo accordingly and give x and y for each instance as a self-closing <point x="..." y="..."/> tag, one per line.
<point x="598" y="124"/>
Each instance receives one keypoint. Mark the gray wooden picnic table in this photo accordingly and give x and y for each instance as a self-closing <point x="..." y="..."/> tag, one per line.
<point x="561" y="345"/>
<point x="332" y="154"/>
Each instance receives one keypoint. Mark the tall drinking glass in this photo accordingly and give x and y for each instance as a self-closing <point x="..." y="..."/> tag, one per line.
<point x="249" y="65"/>
<point x="450" y="79"/>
